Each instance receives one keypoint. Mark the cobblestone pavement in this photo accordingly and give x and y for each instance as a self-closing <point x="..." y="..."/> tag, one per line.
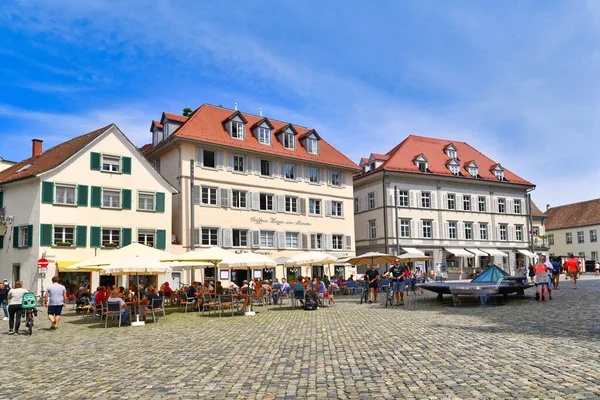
<point x="424" y="350"/>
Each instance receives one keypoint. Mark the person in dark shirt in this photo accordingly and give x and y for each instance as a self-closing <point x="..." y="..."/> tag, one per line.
<point x="192" y="294"/>
<point x="396" y="273"/>
<point x="372" y="276"/>
<point x="147" y="306"/>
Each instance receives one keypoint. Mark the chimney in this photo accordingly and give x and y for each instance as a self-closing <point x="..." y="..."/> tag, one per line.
<point x="547" y="207"/>
<point x="36" y="147"/>
<point x="260" y="110"/>
<point x="235" y="106"/>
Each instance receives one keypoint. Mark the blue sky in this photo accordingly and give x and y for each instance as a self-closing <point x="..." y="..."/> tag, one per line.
<point x="519" y="83"/>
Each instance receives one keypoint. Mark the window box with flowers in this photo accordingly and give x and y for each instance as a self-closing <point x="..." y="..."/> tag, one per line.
<point x="63" y="244"/>
<point x="110" y="244"/>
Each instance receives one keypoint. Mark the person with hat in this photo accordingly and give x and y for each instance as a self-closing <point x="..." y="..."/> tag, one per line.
<point x="372" y="276"/>
<point x="396" y="272"/>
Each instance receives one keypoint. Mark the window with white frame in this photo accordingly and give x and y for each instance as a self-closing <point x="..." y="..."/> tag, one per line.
<point x="238" y="163"/>
<point x="422" y="165"/>
<point x="291" y="204"/>
<point x="503" y="232"/>
<point x="403" y="198"/>
<point x="266" y="202"/>
<point x="483" y="232"/>
<point x="289" y="141"/>
<point x="146" y="237"/>
<point x="582" y="254"/>
<point x="356" y="205"/>
<point x="264" y="136"/>
<point x="499" y="174"/>
<point x="569" y="237"/>
<point x="23" y="236"/>
<point x="593" y="236"/>
<point x="266" y="239"/>
<point x="371" y="200"/>
<point x="209" y="158"/>
<point x="425" y="200"/>
<point x="111" y="237"/>
<point x="473" y="171"/>
<point x="468" y="231"/>
<point x="240" y="238"/>
<point x="337" y="209"/>
<point x="372" y="229"/>
<point x="451" y="202"/>
<point x="209" y="236"/>
<point x="146" y="201"/>
<point x="467" y="203"/>
<point x="551" y="239"/>
<point x="427" y="229"/>
<point x="481" y="203"/>
<point x="335" y="178"/>
<point x="291" y="240"/>
<point x="580" y="237"/>
<point x="501" y="206"/>
<point x="405" y="228"/>
<point x="517" y="206"/>
<point x="265" y="168"/>
<point x="313" y="175"/>
<point x="519" y="233"/>
<point x="111" y="163"/>
<point x="237" y="130"/>
<point x="111" y="198"/>
<point x="455" y="169"/>
<point x="64" y="235"/>
<point x="312" y="145"/>
<point x="239" y="199"/>
<point x="451" y="153"/>
<point x="290" y="171"/>
<point x="451" y="230"/>
<point x="595" y="255"/>
<point x="316" y="241"/>
<point x="338" y="242"/>
<point x="314" y="206"/>
<point x="209" y="196"/>
<point x="65" y="194"/>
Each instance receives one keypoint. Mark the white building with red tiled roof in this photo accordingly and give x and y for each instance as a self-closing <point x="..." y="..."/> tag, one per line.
<point x="78" y="199"/>
<point x="454" y="204"/>
<point x="260" y="185"/>
<point x="4" y="164"/>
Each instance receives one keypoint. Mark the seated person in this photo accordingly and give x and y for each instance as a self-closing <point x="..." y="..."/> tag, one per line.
<point x="192" y="295"/>
<point x="285" y="286"/>
<point x="80" y="298"/>
<point x="167" y="291"/>
<point x="219" y="289"/>
<point x="114" y="298"/>
<point x="101" y="296"/>
<point x="256" y="292"/>
<point x="146" y="304"/>
<point x="234" y="288"/>
<point x="276" y="286"/>
<point x="319" y="290"/>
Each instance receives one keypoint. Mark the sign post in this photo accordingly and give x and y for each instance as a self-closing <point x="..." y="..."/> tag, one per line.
<point x="42" y="269"/>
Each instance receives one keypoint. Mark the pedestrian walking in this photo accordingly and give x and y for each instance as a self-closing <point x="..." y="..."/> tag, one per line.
<point x="396" y="272"/>
<point x="15" y="307"/>
<point x="549" y="269"/>
<point x="541" y="280"/>
<point x="4" y="300"/>
<point x="55" y="299"/>
<point x="556" y="272"/>
<point x="373" y="278"/>
<point x="573" y="269"/>
<point x="597" y="268"/>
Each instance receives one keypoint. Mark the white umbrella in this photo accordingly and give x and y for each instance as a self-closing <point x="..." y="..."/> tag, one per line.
<point x="310" y="258"/>
<point x="409" y="257"/>
<point x="281" y="260"/>
<point x="132" y="250"/>
<point x="371" y="258"/>
<point x="210" y="255"/>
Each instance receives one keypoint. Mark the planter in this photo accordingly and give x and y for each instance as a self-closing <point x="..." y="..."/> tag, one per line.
<point x="63" y="244"/>
<point x="110" y="245"/>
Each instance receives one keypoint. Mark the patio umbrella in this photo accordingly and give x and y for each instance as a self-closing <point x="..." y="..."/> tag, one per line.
<point x="371" y="258"/>
<point x="281" y="260"/>
<point x="132" y="250"/>
<point x="203" y="257"/>
<point x="249" y="261"/>
<point x="408" y="257"/>
<point x="310" y="258"/>
<point x="137" y="266"/>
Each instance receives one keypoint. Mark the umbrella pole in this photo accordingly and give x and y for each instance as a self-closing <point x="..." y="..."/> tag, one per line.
<point x="137" y="302"/>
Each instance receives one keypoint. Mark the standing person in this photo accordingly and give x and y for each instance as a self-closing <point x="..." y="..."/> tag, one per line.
<point x="55" y="299"/>
<point x="4" y="300"/>
<point x="556" y="272"/>
<point x="15" y="307"/>
<point x="597" y="268"/>
<point x="531" y="273"/>
<point x="541" y="278"/>
<point x="549" y="269"/>
<point x="573" y="269"/>
<point x="373" y="276"/>
<point x="396" y="272"/>
<point x="420" y="278"/>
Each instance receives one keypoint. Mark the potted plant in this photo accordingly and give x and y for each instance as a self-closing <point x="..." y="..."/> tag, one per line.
<point x="63" y="244"/>
<point x="110" y="244"/>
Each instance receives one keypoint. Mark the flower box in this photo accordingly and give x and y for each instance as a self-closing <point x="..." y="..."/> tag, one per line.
<point x="63" y="244"/>
<point x="110" y="244"/>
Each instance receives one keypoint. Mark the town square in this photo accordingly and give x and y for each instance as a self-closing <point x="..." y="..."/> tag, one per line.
<point x="300" y="200"/>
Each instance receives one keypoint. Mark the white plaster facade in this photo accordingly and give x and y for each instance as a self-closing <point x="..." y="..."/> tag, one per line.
<point x="581" y="241"/>
<point x="4" y="164"/>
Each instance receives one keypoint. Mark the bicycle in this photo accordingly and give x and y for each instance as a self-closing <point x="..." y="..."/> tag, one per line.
<point x="29" y="305"/>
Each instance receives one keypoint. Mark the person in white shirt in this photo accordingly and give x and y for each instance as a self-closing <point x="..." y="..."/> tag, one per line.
<point x="55" y="300"/>
<point x="550" y="268"/>
<point x="15" y="307"/>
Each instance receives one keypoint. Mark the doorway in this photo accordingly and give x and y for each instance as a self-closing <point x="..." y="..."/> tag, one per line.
<point x="238" y="276"/>
<point x="16" y="273"/>
<point x="317" y="271"/>
<point x="176" y="280"/>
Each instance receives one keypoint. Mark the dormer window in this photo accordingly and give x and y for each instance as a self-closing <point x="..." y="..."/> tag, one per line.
<point x="473" y="172"/>
<point x="289" y="141"/>
<point x="237" y="130"/>
<point x="312" y="146"/>
<point x="421" y="163"/>
<point x="264" y="136"/>
<point x="499" y="175"/>
<point x="455" y="169"/>
<point x="451" y="151"/>
<point x="373" y="166"/>
<point x="451" y="154"/>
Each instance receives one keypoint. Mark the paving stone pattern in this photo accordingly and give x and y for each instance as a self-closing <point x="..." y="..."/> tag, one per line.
<point x="424" y="350"/>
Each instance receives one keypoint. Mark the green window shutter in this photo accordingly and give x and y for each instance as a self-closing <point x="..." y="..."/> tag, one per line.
<point x="1" y="242"/>
<point x="81" y="236"/>
<point x="126" y="199"/>
<point x="30" y="236"/>
<point x="15" y="237"/>
<point x="161" y="239"/>
<point x="45" y="235"/>
<point x="82" y="195"/>
<point x="96" y="199"/>
<point x="1" y="199"/>
<point x="47" y="192"/>
<point x="95" y="233"/>
<point x="160" y="202"/>
<point x="95" y="161"/>
<point x="126" y="165"/>
<point x="126" y="239"/>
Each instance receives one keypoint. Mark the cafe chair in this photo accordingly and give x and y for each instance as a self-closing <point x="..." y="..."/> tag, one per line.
<point x="186" y="301"/>
<point x="259" y="301"/>
<point x="351" y="287"/>
<point x="157" y="306"/>
<point x="113" y="311"/>
<point x="226" y="302"/>
<point x="208" y="303"/>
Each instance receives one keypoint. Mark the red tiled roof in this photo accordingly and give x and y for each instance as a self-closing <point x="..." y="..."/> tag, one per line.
<point x="535" y="211"/>
<point x="382" y="157"/>
<point x="206" y="125"/>
<point x="145" y="148"/>
<point x="175" y="117"/>
<point x="402" y="156"/>
<point x="50" y="158"/>
<point x="155" y="124"/>
<point x="572" y="215"/>
<point x="364" y="160"/>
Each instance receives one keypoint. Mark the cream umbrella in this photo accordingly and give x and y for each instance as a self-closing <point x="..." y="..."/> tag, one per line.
<point x="371" y="258"/>
<point x="310" y="258"/>
<point x="206" y="257"/>
<point x="132" y="250"/>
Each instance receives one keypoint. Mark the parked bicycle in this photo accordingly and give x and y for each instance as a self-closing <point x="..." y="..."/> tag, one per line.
<point x="29" y="306"/>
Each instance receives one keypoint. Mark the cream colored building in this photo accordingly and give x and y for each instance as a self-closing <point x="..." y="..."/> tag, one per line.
<point x="454" y="204"/>
<point x="81" y="198"/>
<point x="573" y="229"/>
<point x="4" y="164"/>
<point x="260" y="185"/>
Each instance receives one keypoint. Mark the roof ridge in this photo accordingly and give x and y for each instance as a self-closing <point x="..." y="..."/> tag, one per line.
<point x="573" y="204"/>
<point x="257" y="116"/>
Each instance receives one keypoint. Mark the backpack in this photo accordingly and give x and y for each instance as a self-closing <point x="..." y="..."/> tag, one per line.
<point x="310" y="304"/>
<point x="29" y="301"/>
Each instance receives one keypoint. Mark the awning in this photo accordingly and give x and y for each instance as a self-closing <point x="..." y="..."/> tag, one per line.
<point x="527" y="253"/>
<point x="477" y="252"/>
<point x="494" y="252"/>
<point x="64" y="264"/>
<point x="458" y="252"/>
<point x="412" y="250"/>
